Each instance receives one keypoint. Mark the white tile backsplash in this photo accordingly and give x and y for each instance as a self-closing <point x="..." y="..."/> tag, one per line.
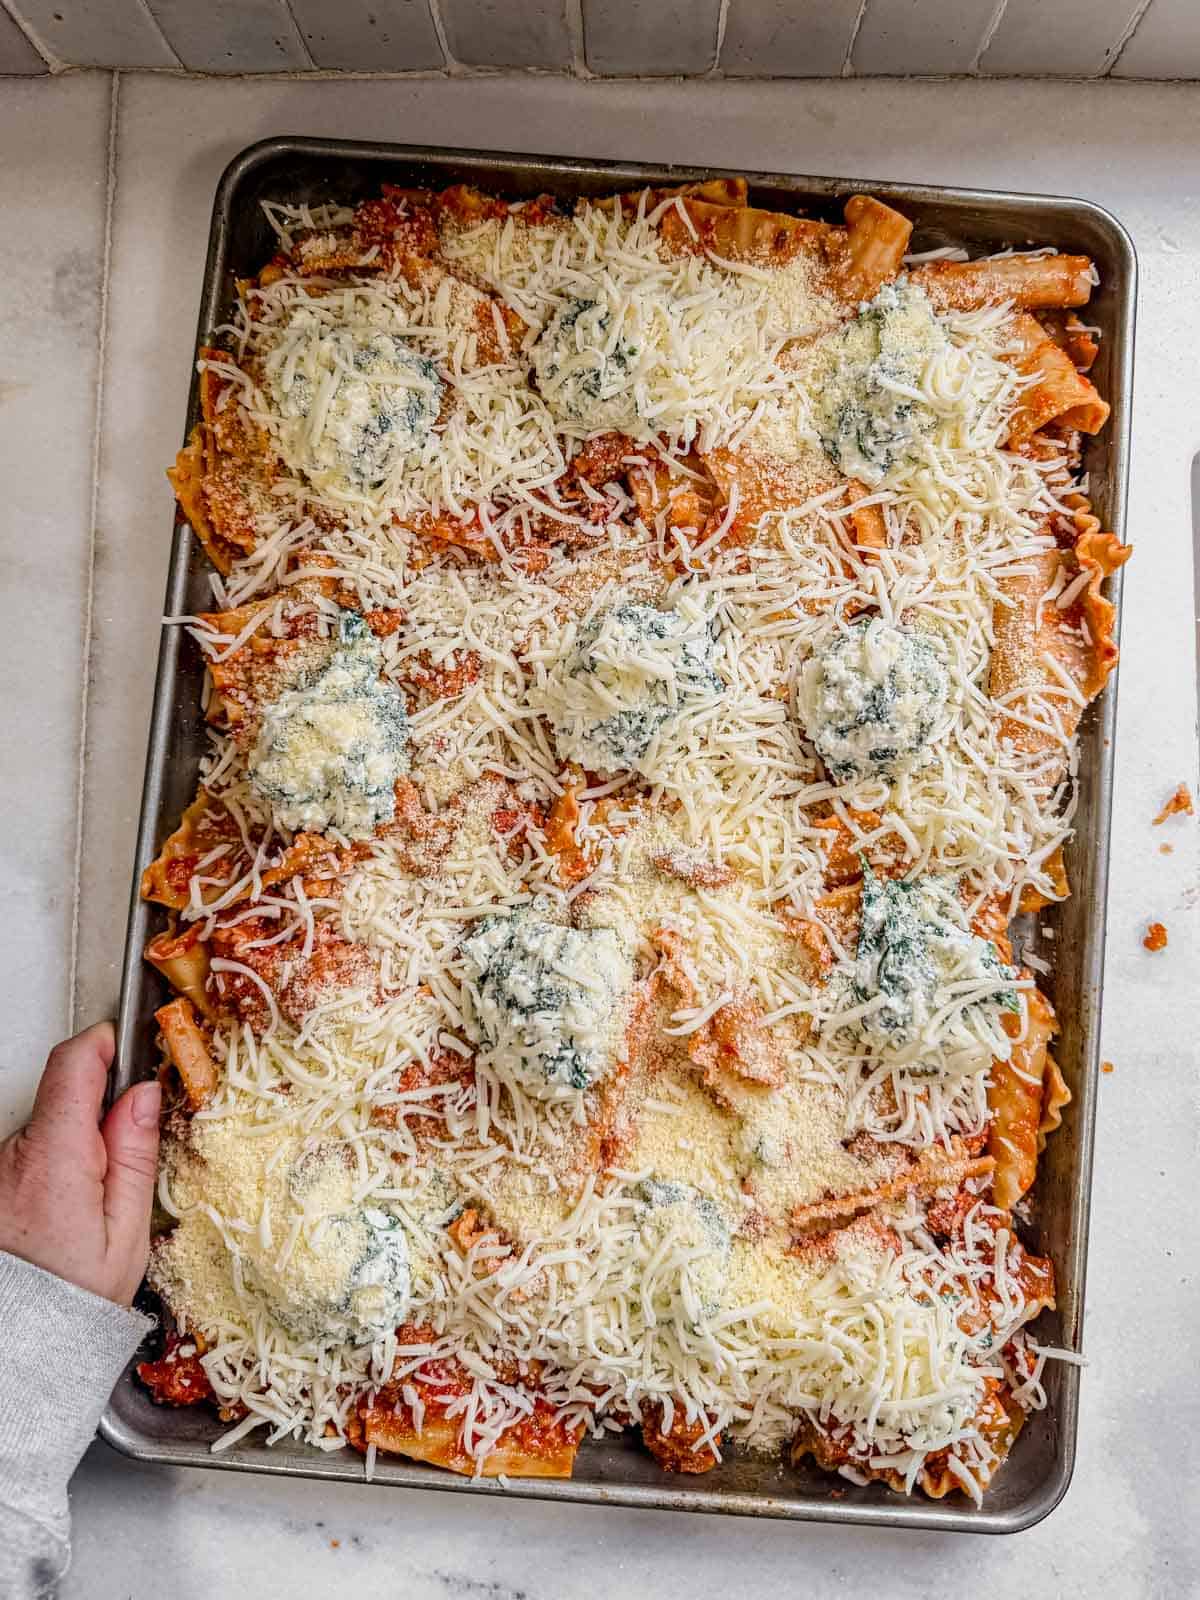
<point x="231" y="35"/>
<point x="643" y="38"/>
<point x="919" y="38"/>
<point x="1078" y="38"/>
<point x="369" y="35"/>
<point x="17" y="55"/>
<point x="1165" y="43"/>
<point x="496" y="33"/>
<point x="788" y="38"/>
<point x="95" y="33"/>
<point x="628" y="38"/>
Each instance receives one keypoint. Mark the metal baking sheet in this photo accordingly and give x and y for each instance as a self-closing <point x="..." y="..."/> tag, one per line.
<point x="617" y="1471"/>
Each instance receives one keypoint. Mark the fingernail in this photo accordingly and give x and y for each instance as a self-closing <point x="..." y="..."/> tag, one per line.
<point x="147" y="1098"/>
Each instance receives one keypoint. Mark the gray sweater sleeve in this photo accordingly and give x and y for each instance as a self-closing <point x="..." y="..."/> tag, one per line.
<point x="61" y="1351"/>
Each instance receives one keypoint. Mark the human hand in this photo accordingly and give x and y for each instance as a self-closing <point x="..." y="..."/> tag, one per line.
<point x="75" y="1192"/>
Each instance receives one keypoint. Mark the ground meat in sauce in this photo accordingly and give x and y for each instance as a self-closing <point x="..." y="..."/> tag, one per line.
<point x="679" y="1448"/>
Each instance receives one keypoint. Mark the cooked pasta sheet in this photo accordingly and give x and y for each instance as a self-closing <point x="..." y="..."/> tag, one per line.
<point x="647" y="645"/>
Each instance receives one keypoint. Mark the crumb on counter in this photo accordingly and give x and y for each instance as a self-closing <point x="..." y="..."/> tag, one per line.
<point x="1180" y="804"/>
<point x="1107" y="1066"/>
<point x="1156" y="937"/>
<point x="1166" y="849"/>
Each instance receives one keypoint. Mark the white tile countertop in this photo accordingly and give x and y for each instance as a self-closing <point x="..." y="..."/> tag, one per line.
<point x="105" y="191"/>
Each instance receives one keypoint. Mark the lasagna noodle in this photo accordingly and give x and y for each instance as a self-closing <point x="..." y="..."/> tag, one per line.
<point x="758" y="483"/>
<point x="997" y="1417"/>
<point x="713" y="192"/>
<point x="1026" y="1095"/>
<point x="933" y="1169"/>
<point x="187" y="1050"/>
<point x="184" y="962"/>
<point x="1055" y="391"/>
<point x="234" y="878"/>
<point x="222" y="476"/>
<point x="541" y="1447"/>
<point x="413" y="1415"/>
<point x="1039" y="643"/>
<point x="745" y="234"/>
<point x="850" y="263"/>
<point x="877" y="238"/>
<point x="1030" y="282"/>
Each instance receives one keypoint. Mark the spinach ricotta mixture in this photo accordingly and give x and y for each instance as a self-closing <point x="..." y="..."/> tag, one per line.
<point x="584" y="368"/>
<point x="937" y="987"/>
<point x="352" y="405"/>
<point x="546" y="1002"/>
<point x="348" y="1273"/>
<point x="330" y="749"/>
<point x="633" y="674"/>
<point x="872" y="699"/>
<point x="676" y="1220"/>
<point x="371" y="1285"/>
<point x="865" y="382"/>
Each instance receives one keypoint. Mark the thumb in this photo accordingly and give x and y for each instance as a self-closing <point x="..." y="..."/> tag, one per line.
<point x="130" y="1132"/>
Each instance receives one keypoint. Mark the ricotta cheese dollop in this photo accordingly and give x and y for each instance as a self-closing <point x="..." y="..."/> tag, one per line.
<point x="271" y="1220"/>
<point x="872" y="699"/>
<point x="351" y="404"/>
<point x="584" y="368"/>
<point x="546" y="1001"/>
<point x="349" y="1272"/>
<point x="330" y="749"/>
<point x="632" y="676"/>
<point x="935" y="988"/>
<point x="865" y="382"/>
<point x="687" y="1241"/>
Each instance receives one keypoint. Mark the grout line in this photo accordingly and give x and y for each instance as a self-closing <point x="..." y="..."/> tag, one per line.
<point x="451" y="67"/>
<point x="110" y="193"/>
<point x="989" y="33"/>
<point x="461" y="73"/>
<point x="299" y="32"/>
<point x="1194" y="484"/>
<point x="1131" y="27"/>
<point x="55" y="63"/>
<point x="848" y="59"/>
<point x="144" y="5"/>
<point x="1195" y="507"/>
<point x="722" y="23"/>
<point x="573" y="11"/>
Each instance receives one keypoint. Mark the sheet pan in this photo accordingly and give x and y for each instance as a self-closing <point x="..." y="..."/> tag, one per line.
<point x="617" y="1471"/>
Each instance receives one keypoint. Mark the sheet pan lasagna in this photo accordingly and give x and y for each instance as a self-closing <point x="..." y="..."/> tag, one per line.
<point x="647" y="645"/>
